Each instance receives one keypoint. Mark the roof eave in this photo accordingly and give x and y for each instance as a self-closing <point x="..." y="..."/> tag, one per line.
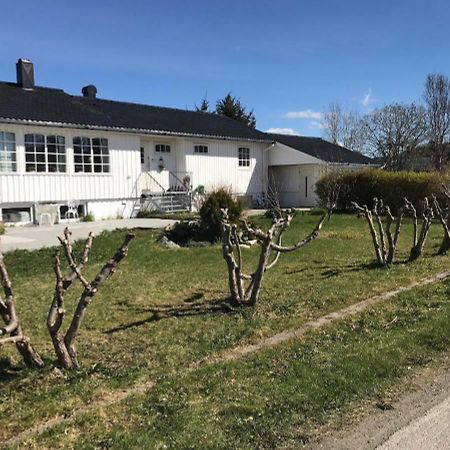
<point x="126" y="130"/>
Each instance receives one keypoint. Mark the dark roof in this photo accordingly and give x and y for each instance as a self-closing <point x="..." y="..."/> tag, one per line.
<point x="321" y="149"/>
<point x="55" y="106"/>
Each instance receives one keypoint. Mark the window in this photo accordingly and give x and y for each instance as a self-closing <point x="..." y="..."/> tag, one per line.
<point x="45" y="153"/>
<point x="200" y="149"/>
<point x="306" y="186"/>
<point x="244" y="157"/>
<point x="142" y="155"/>
<point x="7" y="152"/>
<point x="91" y="155"/>
<point x="162" y="148"/>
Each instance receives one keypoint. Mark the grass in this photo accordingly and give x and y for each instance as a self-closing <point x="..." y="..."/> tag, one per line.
<point x="162" y="311"/>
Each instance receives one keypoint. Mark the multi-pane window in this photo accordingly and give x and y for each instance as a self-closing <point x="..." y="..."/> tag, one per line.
<point x="7" y="152"/>
<point x="142" y="155"/>
<point x="244" y="157"/>
<point x="91" y="155"/>
<point x="162" y="148"/>
<point x="45" y="153"/>
<point x="200" y="149"/>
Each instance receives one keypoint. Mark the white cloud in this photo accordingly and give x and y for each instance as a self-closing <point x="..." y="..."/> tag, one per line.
<point x="282" y="131"/>
<point x="315" y="125"/>
<point x="368" y="99"/>
<point x="305" y="114"/>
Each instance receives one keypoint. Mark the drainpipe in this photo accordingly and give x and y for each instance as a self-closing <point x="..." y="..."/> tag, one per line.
<point x="272" y="145"/>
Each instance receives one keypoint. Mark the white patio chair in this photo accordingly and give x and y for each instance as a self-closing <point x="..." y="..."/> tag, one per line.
<point x="72" y="210"/>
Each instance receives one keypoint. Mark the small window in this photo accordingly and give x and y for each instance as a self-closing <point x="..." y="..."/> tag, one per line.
<point x="306" y="186"/>
<point x="7" y="152"/>
<point x="91" y="155"/>
<point x="142" y="155"/>
<point x="45" y="153"/>
<point x="200" y="149"/>
<point x="244" y="157"/>
<point x="162" y="148"/>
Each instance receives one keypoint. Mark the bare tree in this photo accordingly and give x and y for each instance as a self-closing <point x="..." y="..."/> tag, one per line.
<point x="270" y="249"/>
<point x="65" y="345"/>
<point x="443" y="214"/>
<point x="12" y="331"/>
<point x="384" y="241"/>
<point x="420" y="239"/>
<point x="437" y="100"/>
<point x="345" y="128"/>
<point x="394" y="132"/>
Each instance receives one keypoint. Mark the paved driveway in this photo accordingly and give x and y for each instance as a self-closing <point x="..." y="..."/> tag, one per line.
<point x="34" y="237"/>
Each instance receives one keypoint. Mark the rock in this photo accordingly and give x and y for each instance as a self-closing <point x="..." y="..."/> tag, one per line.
<point x="166" y="242"/>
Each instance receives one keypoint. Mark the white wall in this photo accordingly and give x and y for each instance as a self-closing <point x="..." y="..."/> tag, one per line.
<point x="106" y="193"/>
<point x="22" y="187"/>
<point x="219" y="167"/>
<point x="296" y="184"/>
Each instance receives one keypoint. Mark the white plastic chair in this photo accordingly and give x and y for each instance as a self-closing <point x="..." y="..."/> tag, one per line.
<point x="72" y="210"/>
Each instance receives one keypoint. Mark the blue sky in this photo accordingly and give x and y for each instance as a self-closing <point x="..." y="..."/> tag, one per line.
<point x="285" y="59"/>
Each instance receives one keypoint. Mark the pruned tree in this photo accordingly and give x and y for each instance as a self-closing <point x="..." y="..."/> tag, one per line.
<point x="12" y="331"/>
<point x="443" y="214"/>
<point x="437" y="100"/>
<point x="245" y="288"/>
<point x="65" y="345"/>
<point x="384" y="239"/>
<point x="394" y="132"/>
<point x="420" y="239"/>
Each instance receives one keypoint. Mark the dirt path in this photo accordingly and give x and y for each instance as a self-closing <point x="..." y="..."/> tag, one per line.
<point x="418" y="420"/>
<point x="233" y="354"/>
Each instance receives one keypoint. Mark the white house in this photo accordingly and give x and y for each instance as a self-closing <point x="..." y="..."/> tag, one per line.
<point x="58" y="150"/>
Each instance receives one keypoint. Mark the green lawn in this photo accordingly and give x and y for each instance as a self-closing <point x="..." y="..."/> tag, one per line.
<point x="164" y="310"/>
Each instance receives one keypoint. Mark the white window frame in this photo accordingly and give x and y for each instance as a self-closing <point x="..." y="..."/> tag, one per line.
<point x="162" y="148"/>
<point x="244" y="157"/>
<point x="8" y="156"/>
<point x="40" y="160"/>
<point x="90" y="158"/>
<point x="201" y="149"/>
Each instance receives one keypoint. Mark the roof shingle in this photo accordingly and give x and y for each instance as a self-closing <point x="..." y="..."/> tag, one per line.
<point x="321" y="149"/>
<point x="54" y="105"/>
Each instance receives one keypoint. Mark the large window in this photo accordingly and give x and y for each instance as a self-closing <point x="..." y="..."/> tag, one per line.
<point x="162" y="148"/>
<point x="7" y="152"/>
<point x="91" y="155"/>
<point x="200" y="149"/>
<point x="244" y="157"/>
<point x="45" y="153"/>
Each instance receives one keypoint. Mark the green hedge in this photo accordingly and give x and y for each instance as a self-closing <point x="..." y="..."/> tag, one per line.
<point x="362" y="186"/>
<point x="2" y="228"/>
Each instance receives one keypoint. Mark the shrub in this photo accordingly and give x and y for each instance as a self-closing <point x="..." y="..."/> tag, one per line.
<point x="362" y="186"/>
<point x="210" y="212"/>
<point x="182" y="232"/>
<point x="89" y="217"/>
<point x="2" y="228"/>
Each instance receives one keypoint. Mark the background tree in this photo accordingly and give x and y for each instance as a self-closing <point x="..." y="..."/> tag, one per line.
<point x="437" y="99"/>
<point x="394" y="132"/>
<point x="231" y="107"/>
<point x="345" y="128"/>
<point x="204" y="106"/>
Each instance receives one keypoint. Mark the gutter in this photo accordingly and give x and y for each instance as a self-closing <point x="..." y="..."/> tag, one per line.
<point x="126" y="130"/>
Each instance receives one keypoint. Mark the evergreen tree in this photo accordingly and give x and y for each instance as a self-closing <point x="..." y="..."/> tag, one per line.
<point x="231" y="107"/>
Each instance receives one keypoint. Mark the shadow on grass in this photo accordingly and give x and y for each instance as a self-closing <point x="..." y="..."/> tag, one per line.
<point x="191" y="308"/>
<point x="334" y="272"/>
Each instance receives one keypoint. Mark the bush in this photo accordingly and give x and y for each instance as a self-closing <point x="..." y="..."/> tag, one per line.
<point x="210" y="212"/>
<point x="362" y="186"/>
<point x="2" y="228"/>
<point x="89" y="217"/>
